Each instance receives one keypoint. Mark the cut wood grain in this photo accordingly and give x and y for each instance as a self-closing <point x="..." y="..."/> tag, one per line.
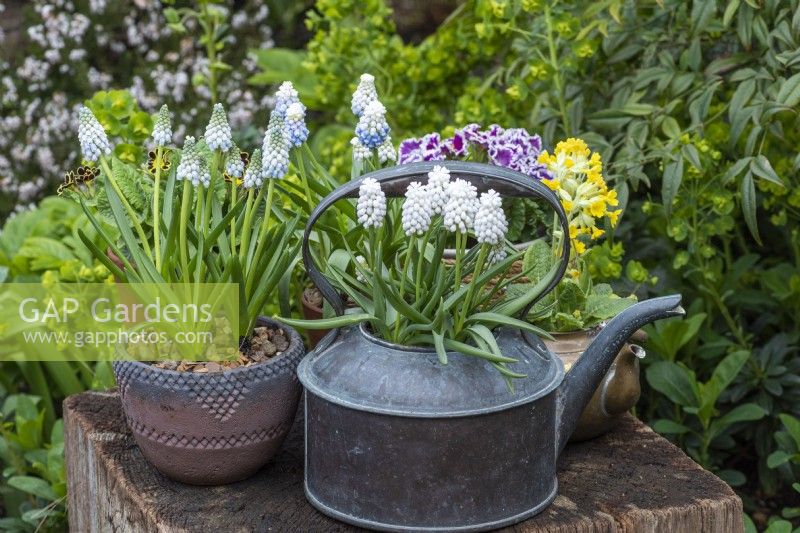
<point x="631" y="480"/>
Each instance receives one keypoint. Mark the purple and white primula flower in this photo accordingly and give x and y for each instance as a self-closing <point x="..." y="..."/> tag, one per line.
<point x="371" y="207"/>
<point x="92" y="136"/>
<point x="512" y="148"/>
<point x="372" y="129"/>
<point x="296" y="129"/>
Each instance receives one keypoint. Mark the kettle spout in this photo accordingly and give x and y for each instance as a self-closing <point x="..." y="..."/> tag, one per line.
<point x="582" y="380"/>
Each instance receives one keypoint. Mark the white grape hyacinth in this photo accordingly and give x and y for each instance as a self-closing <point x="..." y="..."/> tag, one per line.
<point x="193" y="166"/>
<point x="364" y="94"/>
<point x="497" y="254"/>
<point x="360" y="152"/>
<point x="416" y="210"/>
<point x="218" y="132"/>
<point x="371" y="206"/>
<point x="162" y="130"/>
<point x="386" y="151"/>
<point x="490" y="220"/>
<point x="362" y="262"/>
<point x="252" y="176"/>
<point x="92" y="136"/>
<point x="438" y="181"/>
<point x="285" y="96"/>
<point x="462" y="204"/>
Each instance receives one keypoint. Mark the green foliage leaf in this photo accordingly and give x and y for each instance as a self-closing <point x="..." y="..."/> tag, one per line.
<point x="675" y="381"/>
<point x="33" y="485"/>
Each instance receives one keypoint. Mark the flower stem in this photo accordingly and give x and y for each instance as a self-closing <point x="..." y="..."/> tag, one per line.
<point x="234" y="201"/>
<point x="246" y="230"/>
<point x="459" y="257"/>
<point x="482" y="253"/>
<point x="156" y="208"/>
<point x="557" y="79"/>
<point x="262" y="241"/>
<point x="184" y="222"/>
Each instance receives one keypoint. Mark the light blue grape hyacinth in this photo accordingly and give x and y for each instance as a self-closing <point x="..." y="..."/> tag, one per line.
<point x="234" y="166"/>
<point x="296" y="129"/>
<point x="193" y="166"/>
<point x="162" y="130"/>
<point x="92" y="136"/>
<point x="218" y="132"/>
<point x="253" y="176"/>
<point x="372" y="129"/>
<point x="275" y="149"/>
<point x="365" y="94"/>
<point x="285" y="96"/>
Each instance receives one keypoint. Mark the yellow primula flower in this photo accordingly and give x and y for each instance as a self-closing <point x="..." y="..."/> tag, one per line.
<point x="597" y="232"/>
<point x="613" y="216"/>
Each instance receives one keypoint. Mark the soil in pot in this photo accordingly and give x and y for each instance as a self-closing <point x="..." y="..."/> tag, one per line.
<point x="265" y="343"/>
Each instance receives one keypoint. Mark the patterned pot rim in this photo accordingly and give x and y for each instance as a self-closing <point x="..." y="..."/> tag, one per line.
<point x="296" y="347"/>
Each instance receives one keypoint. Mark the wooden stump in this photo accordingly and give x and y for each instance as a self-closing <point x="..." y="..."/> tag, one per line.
<point x="630" y="480"/>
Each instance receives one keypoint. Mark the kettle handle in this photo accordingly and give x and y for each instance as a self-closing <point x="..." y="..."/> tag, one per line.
<point x="394" y="182"/>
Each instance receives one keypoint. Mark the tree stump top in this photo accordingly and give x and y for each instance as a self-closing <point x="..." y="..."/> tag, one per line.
<point x="628" y="480"/>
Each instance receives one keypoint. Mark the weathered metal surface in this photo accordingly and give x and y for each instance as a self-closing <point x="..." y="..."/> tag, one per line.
<point x="397" y="441"/>
<point x="212" y="428"/>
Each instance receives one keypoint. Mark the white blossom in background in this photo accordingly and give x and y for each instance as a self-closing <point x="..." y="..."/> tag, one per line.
<point x="438" y="182"/>
<point x="285" y="96"/>
<point x="462" y="204"/>
<point x="253" y="176"/>
<point x="416" y="210"/>
<point x="162" y="130"/>
<point x="372" y="129"/>
<point x="275" y="149"/>
<point x="490" y="220"/>
<point x="360" y="152"/>
<point x="193" y="166"/>
<point x="386" y="151"/>
<point x="365" y="94"/>
<point x="218" y="132"/>
<point x="92" y="136"/>
<point x="234" y="166"/>
<point x="296" y="129"/>
<point x="371" y="207"/>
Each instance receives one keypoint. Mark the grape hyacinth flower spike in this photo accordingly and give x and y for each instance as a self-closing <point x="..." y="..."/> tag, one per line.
<point x="285" y="96"/>
<point x="193" y="166"/>
<point x="386" y="151"/>
<point x="162" y="130"/>
<point x="416" y="210"/>
<point x="365" y="94"/>
<point x="92" y="136"/>
<point x="252" y="176"/>
<point x="371" y="208"/>
<point x="372" y="129"/>
<point x="438" y="182"/>
<point x="218" y="131"/>
<point x="462" y="204"/>
<point x="234" y="166"/>
<point x="490" y="220"/>
<point x="296" y="129"/>
<point x="275" y="152"/>
<point x="360" y="152"/>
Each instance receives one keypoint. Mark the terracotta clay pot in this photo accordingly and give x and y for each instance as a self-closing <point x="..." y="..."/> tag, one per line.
<point x="312" y="311"/>
<point x="617" y="393"/>
<point x="212" y="428"/>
